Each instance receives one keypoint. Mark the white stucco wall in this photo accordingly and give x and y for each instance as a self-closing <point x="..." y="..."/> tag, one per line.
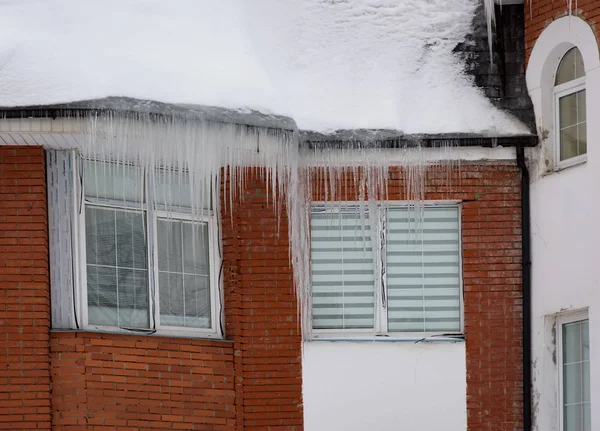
<point x="565" y="222"/>
<point x="384" y="386"/>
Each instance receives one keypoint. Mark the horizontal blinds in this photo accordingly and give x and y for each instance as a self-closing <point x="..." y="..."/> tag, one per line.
<point x="343" y="271"/>
<point x="423" y="270"/>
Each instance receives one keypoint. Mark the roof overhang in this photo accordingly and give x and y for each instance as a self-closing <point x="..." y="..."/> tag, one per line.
<point x="146" y="110"/>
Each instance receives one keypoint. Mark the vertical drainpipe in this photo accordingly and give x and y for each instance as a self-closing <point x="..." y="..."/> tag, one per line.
<point x="526" y="274"/>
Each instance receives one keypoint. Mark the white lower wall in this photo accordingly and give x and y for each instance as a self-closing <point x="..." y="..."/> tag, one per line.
<point x="565" y="216"/>
<point x="384" y="386"/>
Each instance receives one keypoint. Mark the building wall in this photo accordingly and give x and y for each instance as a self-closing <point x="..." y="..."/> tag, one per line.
<point x="487" y="367"/>
<point x="564" y="207"/>
<point x="358" y="386"/>
<point x="127" y="382"/>
<point x="254" y="379"/>
<point x="24" y="291"/>
<point x="78" y="380"/>
<point x="540" y="13"/>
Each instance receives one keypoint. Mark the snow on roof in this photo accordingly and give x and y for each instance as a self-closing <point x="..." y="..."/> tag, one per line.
<point x="328" y="64"/>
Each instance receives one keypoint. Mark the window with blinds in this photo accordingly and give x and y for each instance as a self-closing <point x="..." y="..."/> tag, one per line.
<point x="386" y="270"/>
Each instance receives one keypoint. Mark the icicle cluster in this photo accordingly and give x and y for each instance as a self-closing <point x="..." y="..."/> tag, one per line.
<point x="205" y="151"/>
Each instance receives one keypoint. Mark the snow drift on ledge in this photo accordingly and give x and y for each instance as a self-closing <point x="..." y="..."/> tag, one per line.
<point x="328" y="64"/>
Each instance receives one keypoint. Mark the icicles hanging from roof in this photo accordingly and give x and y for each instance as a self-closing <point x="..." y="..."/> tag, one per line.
<point x="490" y="16"/>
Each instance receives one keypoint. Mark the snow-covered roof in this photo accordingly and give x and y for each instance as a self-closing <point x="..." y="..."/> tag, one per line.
<point x="328" y="64"/>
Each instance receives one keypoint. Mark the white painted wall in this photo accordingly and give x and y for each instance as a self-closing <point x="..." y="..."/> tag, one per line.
<point x="565" y="222"/>
<point x="384" y="386"/>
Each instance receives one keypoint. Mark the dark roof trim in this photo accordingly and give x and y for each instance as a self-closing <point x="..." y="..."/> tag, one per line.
<point x="364" y="139"/>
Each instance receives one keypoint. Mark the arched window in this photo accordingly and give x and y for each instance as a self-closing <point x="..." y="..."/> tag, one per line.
<point x="569" y="105"/>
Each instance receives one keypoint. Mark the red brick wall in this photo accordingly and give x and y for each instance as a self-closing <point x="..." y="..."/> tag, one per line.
<point x="134" y="382"/>
<point x="24" y="292"/>
<point x="126" y="382"/>
<point x="261" y="312"/>
<point x="540" y="13"/>
<point x="491" y="228"/>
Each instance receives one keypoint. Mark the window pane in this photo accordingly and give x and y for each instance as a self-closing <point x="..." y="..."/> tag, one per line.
<point x="184" y="274"/>
<point x="582" y="138"/>
<point x="113" y="181"/>
<point x="175" y="189"/>
<point x="576" y="376"/>
<point x="572" y="116"/>
<point x="573" y="390"/>
<point x="568" y="143"/>
<point x="581" y="106"/>
<point x="570" y="67"/>
<point x="343" y="271"/>
<point x="117" y="274"/>
<point x="573" y="418"/>
<point x="568" y="110"/>
<point x="572" y="351"/>
<point x="423" y="270"/>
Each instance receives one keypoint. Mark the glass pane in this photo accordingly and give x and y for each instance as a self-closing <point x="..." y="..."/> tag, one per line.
<point x="100" y="238"/>
<point x="423" y="271"/>
<point x="587" y="417"/>
<point x="133" y="298"/>
<point x="342" y="270"/>
<point x="113" y="181"/>
<point x="568" y="143"/>
<point x="131" y="240"/>
<point x="184" y="274"/>
<point x="102" y="296"/>
<point x="572" y="383"/>
<point x="582" y="138"/>
<point x="171" y="299"/>
<point x="573" y="418"/>
<point x="568" y="110"/>
<point x="572" y="342"/>
<point x="175" y="189"/>
<point x="197" y="301"/>
<point x="581" y="106"/>
<point x="570" y="68"/>
<point x="585" y="336"/>
<point x="117" y="275"/>
<point x="170" y="247"/>
<point x="586" y="381"/>
<point x="195" y="248"/>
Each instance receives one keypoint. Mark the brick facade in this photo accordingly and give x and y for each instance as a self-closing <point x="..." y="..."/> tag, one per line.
<point x="24" y="291"/>
<point x="540" y="13"/>
<point x="253" y="379"/>
<point x="100" y="382"/>
<point x="135" y="382"/>
<point x="261" y="311"/>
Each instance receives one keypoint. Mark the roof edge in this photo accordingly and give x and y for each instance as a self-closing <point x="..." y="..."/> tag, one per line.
<point x="152" y="111"/>
<point x="364" y="139"/>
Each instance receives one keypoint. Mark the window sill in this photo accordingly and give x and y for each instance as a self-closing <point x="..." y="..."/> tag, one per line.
<point x="425" y="338"/>
<point x="161" y="334"/>
<point x="566" y="165"/>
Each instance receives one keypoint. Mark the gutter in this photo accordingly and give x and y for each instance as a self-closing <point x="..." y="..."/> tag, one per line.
<point x="391" y="139"/>
<point x="526" y="283"/>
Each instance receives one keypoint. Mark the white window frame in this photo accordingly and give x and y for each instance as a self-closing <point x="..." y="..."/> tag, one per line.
<point x="380" y="330"/>
<point x="151" y="216"/>
<point x="560" y="91"/>
<point x="561" y="320"/>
